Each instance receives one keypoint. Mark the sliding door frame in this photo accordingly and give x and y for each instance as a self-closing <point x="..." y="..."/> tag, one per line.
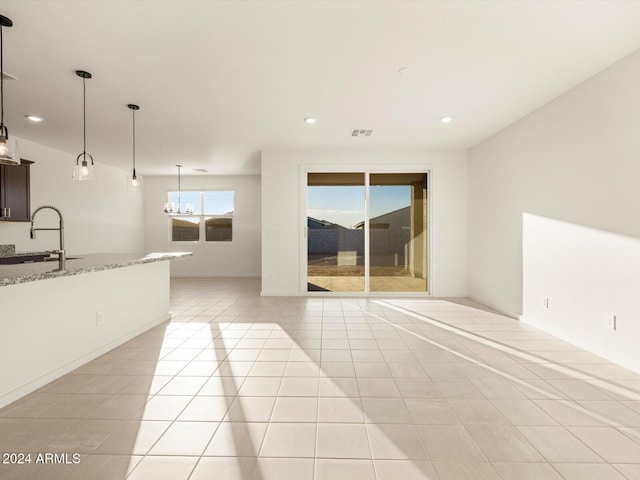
<point x="367" y="171"/>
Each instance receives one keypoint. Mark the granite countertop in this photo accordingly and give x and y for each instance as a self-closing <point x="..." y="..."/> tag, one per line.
<point x="31" y="272"/>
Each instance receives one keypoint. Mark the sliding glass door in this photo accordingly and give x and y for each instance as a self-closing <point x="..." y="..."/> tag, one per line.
<point x="335" y="245"/>
<point x="367" y="232"/>
<point x="398" y="232"/>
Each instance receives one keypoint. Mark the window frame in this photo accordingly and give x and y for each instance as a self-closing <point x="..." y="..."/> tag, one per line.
<point x="203" y="217"/>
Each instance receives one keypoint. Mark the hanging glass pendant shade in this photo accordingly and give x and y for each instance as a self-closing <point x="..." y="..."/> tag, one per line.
<point x="84" y="168"/>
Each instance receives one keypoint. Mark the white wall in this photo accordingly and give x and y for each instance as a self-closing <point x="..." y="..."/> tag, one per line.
<point x="595" y="274"/>
<point x="575" y="160"/>
<point x="99" y="217"/>
<point x="241" y="257"/>
<point x="283" y="220"/>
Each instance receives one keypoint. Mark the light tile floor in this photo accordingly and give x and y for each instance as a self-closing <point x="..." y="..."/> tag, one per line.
<point x="238" y="386"/>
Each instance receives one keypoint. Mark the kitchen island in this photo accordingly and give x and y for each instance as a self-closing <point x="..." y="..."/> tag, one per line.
<point x="52" y="322"/>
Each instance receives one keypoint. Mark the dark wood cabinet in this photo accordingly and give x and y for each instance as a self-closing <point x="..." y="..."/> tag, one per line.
<point x="15" y="195"/>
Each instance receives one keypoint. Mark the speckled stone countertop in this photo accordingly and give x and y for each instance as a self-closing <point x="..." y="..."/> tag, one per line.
<point x="31" y="272"/>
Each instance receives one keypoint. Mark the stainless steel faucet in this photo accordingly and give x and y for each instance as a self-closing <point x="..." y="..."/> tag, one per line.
<point x="62" y="256"/>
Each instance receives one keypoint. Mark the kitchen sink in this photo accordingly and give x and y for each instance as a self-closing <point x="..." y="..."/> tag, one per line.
<point x="30" y="258"/>
<point x="27" y="258"/>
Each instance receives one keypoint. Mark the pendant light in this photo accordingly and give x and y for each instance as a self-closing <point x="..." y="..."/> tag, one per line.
<point x="9" y="154"/>
<point x="135" y="182"/>
<point x="83" y="170"/>
<point x="169" y="207"/>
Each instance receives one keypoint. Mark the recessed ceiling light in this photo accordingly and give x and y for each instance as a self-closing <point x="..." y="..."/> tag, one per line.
<point x="310" y="120"/>
<point x="35" y="118"/>
<point x="446" y="119"/>
<point x="405" y="70"/>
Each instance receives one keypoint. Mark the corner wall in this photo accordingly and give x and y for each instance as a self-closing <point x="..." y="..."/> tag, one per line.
<point x="99" y="217"/>
<point x="283" y="230"/>
<point x="239" y="258"/>
<point x="545" y="192"/>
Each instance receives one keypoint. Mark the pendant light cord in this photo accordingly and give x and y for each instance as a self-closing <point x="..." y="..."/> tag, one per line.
<point x="134" y="142"/>
<point x="85" y="172"/>
<point x="84" y="118"/>
<point x="1" y="80"/>
<point x="179" y="167"/>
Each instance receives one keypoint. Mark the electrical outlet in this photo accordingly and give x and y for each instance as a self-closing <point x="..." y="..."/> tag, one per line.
<point x="99" y="318"/>
<point x="545" y="302"/>
<point x="609" y="321"/>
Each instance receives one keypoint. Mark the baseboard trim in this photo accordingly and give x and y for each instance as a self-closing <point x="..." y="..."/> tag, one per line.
<point x="503" y="311"/>
<point x="622" y="360"/>
<point x="247" y="275"/>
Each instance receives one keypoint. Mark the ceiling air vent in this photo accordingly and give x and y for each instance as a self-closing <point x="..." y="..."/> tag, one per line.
<point x="361" y="133"/>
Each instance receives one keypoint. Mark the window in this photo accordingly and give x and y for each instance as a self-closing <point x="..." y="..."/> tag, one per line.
<point x="206" y="216"/>
<point x="218" y="230"/>
<point x="185" y="229"/>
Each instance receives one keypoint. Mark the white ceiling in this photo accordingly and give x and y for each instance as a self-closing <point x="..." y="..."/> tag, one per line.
<point x="219" y="81"/>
